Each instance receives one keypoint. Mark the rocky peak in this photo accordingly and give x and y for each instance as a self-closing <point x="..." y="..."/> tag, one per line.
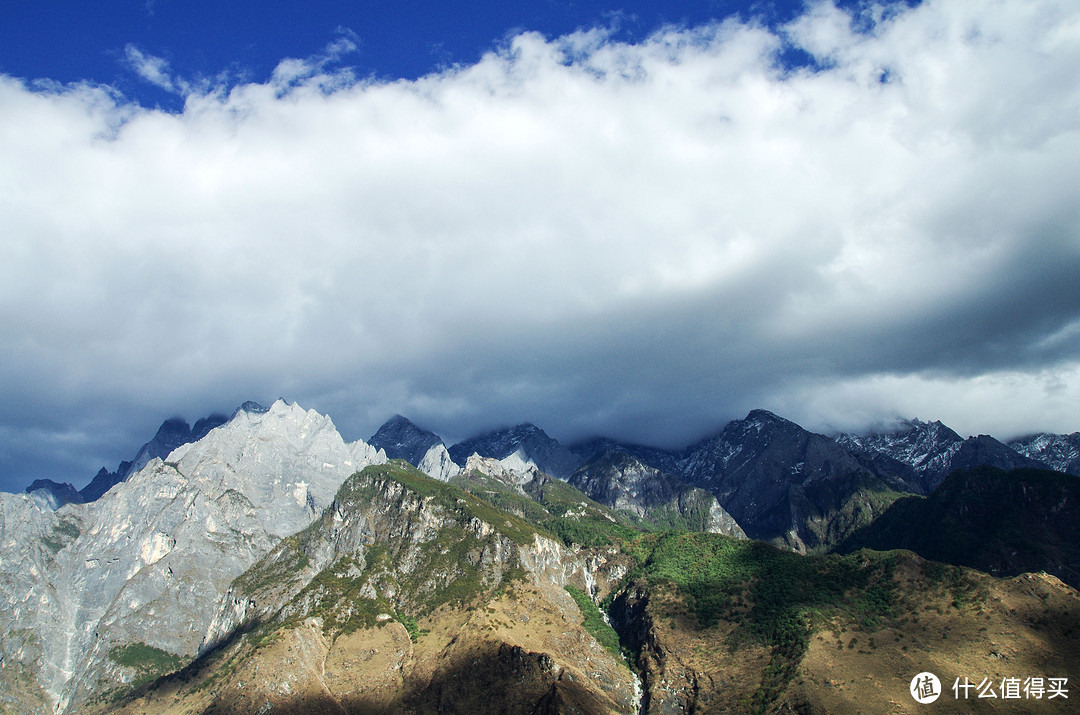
<point x="53" y="494"/>
<point x="524" y="444"/>
<point x="764" y="441"/>
<point x="770" y="474"/>
<point x="933" y="450"/>
<point x="401" y="439"/>
<point x="1061" y="452"/>
<point x="203" y="425"/>
<point x="984" y="450"/>
<point x="621" y="481"/>
<point x="498" y="470"/>
<point x="172" y="433"/>
<point x="763" y="419"/>
<point x="143" y="563"/>
<point x="254" y="407"/>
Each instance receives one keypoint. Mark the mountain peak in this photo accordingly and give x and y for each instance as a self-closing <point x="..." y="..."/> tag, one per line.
<point x="254" y="407"/>
<point x="761" y="418"/>
<point x="400" y="438"/>
<point x="526" y="443"/>
<point x="1060" y="451"/>
<point x="54" y="494"/>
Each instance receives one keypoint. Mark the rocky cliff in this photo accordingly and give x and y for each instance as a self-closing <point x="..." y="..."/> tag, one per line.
<point x="525" y="445"/>
<point x="407" y="595"/>
<point x="272" y="566"/>
<point x="623" y="482"/>
<point x="423" y="449"/>
<point x="1060" y="452"/>
<point x="140" y="565"/>
<point x="784" y="484"/>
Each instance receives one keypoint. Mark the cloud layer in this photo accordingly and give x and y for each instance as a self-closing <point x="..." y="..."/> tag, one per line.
<point x="643" y="240"/>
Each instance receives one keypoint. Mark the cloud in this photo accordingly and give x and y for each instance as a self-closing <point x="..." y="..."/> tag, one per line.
<point x="154" y="70"/>
<point x="638" y="239"/>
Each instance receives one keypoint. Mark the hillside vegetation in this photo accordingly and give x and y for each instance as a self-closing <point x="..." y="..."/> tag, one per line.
<point x="412" y="595"/>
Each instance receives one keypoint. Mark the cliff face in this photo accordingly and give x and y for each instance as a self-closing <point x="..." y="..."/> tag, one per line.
<point x="623" y="482"/>
<point x="143" y="566"/>
<point x="409" y="594"/>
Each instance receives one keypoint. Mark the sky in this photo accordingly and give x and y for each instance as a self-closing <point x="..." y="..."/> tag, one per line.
<point x="631" y="220"/>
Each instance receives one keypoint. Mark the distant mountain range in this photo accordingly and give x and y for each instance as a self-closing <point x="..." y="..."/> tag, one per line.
<point x="778" y="481"/>
<point x="263" y="563"/>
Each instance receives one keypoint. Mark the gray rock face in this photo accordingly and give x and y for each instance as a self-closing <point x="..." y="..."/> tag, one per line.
<point x="933" y="451"/>
<point x="401" y="439"/>
<point x="53" y="494"/>
<point x="620" y="481"/>
<point x="1060" y="452"/>
<point x="31" y="535"/>
<point x="519" y="447"/>
<point x="171" y="434"/>
<point x="375" y="508"/>
<point x="436" y="463"/>
<point x="499" y="471"/>
<point x="148" y="561"/>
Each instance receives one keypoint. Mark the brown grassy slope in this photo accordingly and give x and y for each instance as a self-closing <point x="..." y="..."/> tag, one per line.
<point x="951" y="621"/>
<point x="521" y="651"/>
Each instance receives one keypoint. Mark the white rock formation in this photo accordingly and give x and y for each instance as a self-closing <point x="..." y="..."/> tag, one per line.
<point x="149" y="561"/>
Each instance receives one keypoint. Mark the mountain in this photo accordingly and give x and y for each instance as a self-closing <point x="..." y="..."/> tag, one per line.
<point x="1060" y="452"/>
<point x="142" y="564"/>
<point x="53" y="494"/>
<point x="663" y="460"/>
<point x="926" y="447"/>
<point x="623" y="482"/>
<point x="717" y="625"/>
<point x="519" y="447"/>
<point x="985" y="451"/>
<point x="552" y="505"/>
<point x="410" y="595"/>
<point x="784" y="484"/>
<point x="1001" y="522"/>
<point x="401" y="439"/>
<point x="271" y="566"/>
<point x="933" y="451"/>
<point x="171" y="434"/>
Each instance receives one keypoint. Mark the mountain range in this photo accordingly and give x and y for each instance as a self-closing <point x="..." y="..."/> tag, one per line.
<point x="401" y="575"/>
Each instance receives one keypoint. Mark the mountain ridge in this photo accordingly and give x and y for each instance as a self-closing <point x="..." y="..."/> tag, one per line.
<point x="167" y="540"/>
<point x="888" y="453"/>
<point x="272" y="537"/>
<point x="401" y="439"/>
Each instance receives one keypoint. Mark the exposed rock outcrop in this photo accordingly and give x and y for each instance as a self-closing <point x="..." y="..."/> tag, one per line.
<point x="145" y="563"/>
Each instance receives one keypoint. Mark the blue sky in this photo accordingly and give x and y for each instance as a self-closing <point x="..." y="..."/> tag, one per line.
<point x="69" y="41"/>
<point x="638" y="221"/>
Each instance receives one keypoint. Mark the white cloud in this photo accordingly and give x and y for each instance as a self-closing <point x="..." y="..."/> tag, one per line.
<point x="657" y="235"/>
<point x="154" y="70"/>
<point x="1007" y="404"/>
